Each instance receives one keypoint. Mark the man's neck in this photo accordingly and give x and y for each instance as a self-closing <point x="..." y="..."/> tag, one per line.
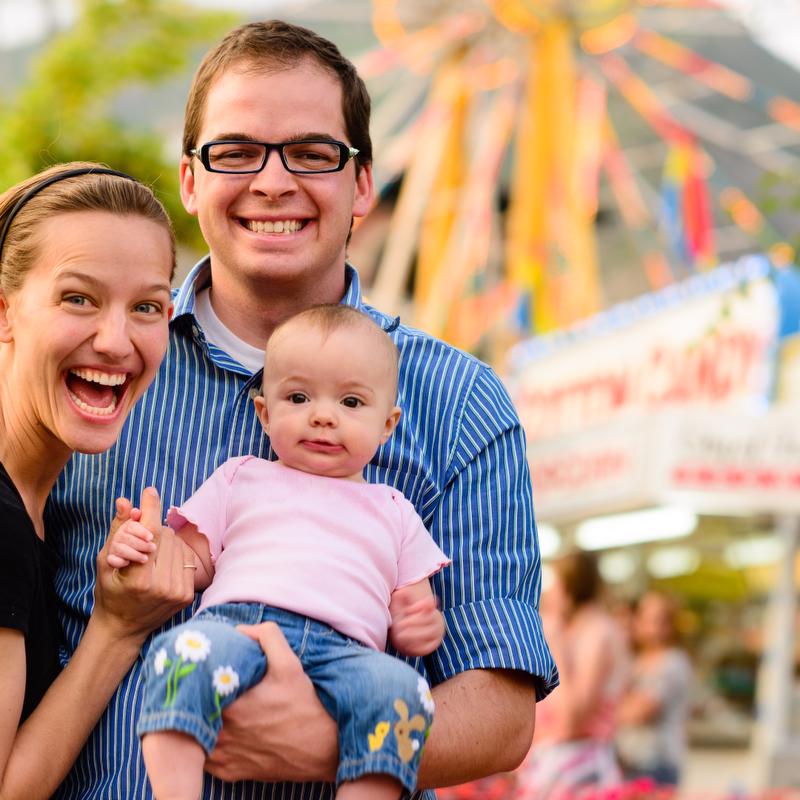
<point x="251" y="312"/>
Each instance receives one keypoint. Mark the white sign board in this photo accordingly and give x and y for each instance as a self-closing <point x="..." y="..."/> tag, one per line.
<point x="713" y="462"/>
<point x="712" y="345"/>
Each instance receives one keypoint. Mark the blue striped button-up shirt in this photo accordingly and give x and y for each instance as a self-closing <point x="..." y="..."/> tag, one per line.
<point x="458" y="455"/>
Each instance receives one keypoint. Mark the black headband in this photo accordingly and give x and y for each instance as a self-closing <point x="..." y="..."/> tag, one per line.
<point x="34" y="190"/>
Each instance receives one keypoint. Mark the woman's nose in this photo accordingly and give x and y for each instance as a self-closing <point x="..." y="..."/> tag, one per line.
<point x="112" y="338"/>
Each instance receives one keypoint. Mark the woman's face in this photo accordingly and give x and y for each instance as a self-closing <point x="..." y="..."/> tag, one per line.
<point x="653" y="621"/>
<point x="87" y="330"/>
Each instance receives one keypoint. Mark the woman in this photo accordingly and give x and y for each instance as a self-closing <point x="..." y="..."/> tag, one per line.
<point x="86" y="259"/>
<point x="652" y="737"/>
<point x="572" y="747"/>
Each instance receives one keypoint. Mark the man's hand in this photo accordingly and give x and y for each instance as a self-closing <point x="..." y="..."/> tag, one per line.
<point x="278" y="730"/>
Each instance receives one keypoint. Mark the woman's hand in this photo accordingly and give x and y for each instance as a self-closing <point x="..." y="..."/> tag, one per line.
<point x="139" y="598"/>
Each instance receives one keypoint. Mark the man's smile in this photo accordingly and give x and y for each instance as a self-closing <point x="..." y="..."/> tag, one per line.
<point x="274" y="226"/>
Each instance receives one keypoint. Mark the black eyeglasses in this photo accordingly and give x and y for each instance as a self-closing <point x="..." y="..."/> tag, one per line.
<point x="304" y="157"/>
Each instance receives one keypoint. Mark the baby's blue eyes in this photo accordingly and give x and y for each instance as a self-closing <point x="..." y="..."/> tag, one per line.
<point x="297" y="398"/>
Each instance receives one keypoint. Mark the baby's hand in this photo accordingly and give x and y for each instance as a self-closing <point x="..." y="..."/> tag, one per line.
<point x="131" y="542"/>
<point x="417" y="627"/>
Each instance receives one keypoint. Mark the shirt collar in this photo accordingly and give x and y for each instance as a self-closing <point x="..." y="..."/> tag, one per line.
<point x="200" y="277"/>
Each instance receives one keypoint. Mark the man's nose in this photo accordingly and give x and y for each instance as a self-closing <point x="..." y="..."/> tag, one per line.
<point x="274" y="180"/>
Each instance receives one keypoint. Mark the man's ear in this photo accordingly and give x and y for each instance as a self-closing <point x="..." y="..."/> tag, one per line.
<point x="391" y="424"/>
<point x="187" y="186"/>
<point x="261" y="410"/>
<point x="6" y="334"/>
<point x="364" y="192"/>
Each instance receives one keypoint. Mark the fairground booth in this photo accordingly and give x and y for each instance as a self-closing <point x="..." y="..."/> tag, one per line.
<point x="664" y="433"/>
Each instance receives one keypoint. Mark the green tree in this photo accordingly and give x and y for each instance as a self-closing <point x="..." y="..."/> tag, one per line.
<point x="73" y="107"/>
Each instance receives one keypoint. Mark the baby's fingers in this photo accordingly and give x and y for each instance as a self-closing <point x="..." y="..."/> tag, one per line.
<point x="136" y="531"/>
<point x="123" y="551"/>
<point x="419" y="608"/>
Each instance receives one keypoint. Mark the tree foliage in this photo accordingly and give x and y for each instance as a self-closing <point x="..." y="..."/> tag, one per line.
<point x="75" y="104"/>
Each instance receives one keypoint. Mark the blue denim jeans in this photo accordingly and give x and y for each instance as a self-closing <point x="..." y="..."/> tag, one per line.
<point x="383" y="707"/>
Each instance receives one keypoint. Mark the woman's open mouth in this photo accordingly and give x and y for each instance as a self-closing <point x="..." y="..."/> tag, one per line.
<point x="96" y="392"/>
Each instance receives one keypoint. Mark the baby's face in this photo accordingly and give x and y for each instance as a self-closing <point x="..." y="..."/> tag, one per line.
<point x="328" y="399"/>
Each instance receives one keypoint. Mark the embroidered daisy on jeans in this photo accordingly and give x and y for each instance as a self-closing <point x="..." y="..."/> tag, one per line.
<point x="425" y="696"/>
<point x="225" y="681"/>
<point x="192" y="646"/>
<point x="160" y="662"/>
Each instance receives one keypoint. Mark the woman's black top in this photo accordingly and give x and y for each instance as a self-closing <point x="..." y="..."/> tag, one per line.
<point x="27" y="594"/>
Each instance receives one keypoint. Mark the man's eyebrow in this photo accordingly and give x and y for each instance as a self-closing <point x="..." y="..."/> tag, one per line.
<point x="298" y="137"/>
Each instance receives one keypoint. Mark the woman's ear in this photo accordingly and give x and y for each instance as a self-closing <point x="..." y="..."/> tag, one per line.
<point x="5" y="319"/>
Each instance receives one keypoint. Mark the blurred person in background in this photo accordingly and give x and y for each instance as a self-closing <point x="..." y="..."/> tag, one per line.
<point x="573" y="743"/>
<point x="651" y="741"/>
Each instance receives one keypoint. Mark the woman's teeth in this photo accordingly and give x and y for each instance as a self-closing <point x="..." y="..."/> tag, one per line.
<point x="104" y="378"/>
<point x="101" y="412"/>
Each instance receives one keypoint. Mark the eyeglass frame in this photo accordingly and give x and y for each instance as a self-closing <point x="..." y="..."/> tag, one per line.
<point x="346" y="152"/>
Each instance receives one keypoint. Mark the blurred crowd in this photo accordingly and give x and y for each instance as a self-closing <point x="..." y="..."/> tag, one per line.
<point x="616" y="726"/>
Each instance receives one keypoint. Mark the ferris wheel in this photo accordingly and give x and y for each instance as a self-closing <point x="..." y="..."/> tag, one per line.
<point x="514" y="126"/>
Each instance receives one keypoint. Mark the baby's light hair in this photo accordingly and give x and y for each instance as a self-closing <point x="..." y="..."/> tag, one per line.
<point x="330" y="317"/>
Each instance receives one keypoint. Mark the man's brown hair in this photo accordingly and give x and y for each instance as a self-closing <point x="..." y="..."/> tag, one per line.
<point x="262" y="46"/>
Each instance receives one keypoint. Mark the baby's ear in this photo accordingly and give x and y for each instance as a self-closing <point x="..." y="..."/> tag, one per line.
<point x="391" y="424"/>
<point x="261" y="410"/>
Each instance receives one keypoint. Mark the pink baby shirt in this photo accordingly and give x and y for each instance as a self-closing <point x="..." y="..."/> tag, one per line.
<point x="327" y="548"/>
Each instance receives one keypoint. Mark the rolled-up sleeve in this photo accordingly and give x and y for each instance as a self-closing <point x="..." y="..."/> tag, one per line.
<point x="484" y="521"/>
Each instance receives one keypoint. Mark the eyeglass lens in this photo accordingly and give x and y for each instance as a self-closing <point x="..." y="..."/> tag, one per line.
<point x="299" y="156"/>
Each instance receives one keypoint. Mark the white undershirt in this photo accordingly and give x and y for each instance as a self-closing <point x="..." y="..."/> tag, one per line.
<point x="216" y="333"/>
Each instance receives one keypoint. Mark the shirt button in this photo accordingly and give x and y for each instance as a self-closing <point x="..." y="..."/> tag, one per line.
<point x="253" y="392"/>
<point x="195" y="330"/>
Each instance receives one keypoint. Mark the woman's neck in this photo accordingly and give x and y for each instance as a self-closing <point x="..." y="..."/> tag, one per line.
<point x="32" y="460"/>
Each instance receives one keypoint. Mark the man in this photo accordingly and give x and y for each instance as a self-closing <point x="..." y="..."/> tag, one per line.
<point x="276" y="163"/>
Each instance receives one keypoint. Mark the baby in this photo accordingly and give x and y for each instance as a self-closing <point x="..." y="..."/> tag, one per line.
<point x="305" y="542"/>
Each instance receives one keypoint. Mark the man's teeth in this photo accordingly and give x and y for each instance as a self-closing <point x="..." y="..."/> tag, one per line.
<point x="104" y="378"/>
<point x="279" y="226"/>
<point x="101" y="412"/>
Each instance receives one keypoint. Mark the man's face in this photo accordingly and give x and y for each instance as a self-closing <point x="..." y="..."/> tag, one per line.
<point x="238" y="213"/>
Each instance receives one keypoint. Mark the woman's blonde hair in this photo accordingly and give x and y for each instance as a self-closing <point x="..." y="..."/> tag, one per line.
<point x="89" y="191"/>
